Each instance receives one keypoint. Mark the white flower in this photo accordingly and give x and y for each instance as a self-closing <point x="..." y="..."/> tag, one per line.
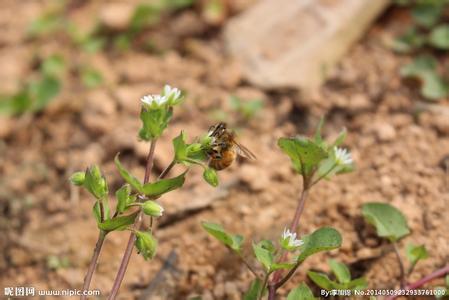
<point x="153" y="100"/>
<point x="289" y="239"/>
<point x="342" y="156"/>
<point x="172" y="94"/>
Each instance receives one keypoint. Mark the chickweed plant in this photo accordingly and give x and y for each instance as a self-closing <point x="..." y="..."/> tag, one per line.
<point x="138" y="199"/>
<point x="314" y="160"/>
<point x="391" y="224"/>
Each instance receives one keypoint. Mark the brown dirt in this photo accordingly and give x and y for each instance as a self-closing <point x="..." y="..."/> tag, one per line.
<point x="400" y="153"/>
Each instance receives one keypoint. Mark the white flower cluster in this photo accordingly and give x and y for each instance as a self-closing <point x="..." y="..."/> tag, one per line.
<point x="289" y="239"/>
<point x="342" y="156"/>
<point x="170" y="96"/>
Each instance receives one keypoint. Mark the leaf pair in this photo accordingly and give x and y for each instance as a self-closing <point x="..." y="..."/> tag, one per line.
<point x="343" y="276"/>
<point x="424" y="68"/>
<point x="151" y="190"/>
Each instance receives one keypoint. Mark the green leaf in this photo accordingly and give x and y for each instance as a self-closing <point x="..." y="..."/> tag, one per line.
<point x="302" y="292"/>
<point x="322" y="280"/>
<point x="53" y="65"/>
<point x="409" y="41"/>
<point x="180" y="146"/>
<point x="427" y="14"/>
<point x="340" y="270"/>
<point x="124" y="198"/>
<point x="144" y="14"/>
<point x="154" y="122"/>
<point x="439" y="37"/>
<point x="388" y="220"/>
<point x="232" y="241"/>
<point x="43" y="91"/>
<point x="163" y="186"/>
<point x="77" y="178"/>
<point x="281" y="266"/>
<point x="357" y="284"/>
<point x="322" y="239"/>
<point x="17" y="104"/>
<point x="118" y="223"/>
<point x="305" y="154"/>
<point x="45" y="24"/>
<point x="264" y="256"/>
<point x="254" y="290"/>
<point x="146" y="244"/>
<point x="128" y="177"/>
<point x="91" y="78"/>
<point x="95" y="183"/>
<point x="211" y="177"/>
<point x="434" y="86"/>
<point x="416" y="253"/>
<point x="421" y="64"/>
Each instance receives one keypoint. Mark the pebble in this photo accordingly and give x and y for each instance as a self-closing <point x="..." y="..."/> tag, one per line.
<point x="116" y="16"/>
<point x="384" y="132"/>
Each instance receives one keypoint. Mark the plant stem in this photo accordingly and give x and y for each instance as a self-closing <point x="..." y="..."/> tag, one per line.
<point x="401" y="265"/>
<point x="249" y="266"/>
<point x="93" y="263"/>
<point x="167" y="169"/>
<point x="264" y="283"/>
<point x="132" y="237"/>
<point x="271" y="292"/>
<point x="438" y="273"/>
<point x="293" y="225"/>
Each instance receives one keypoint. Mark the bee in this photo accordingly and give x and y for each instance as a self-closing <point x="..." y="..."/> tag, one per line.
<point x="224" y="148"/>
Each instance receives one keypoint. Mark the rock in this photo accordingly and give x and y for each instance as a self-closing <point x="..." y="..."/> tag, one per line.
<point x="6" y="125"/>
<point x="384" y="132"/>
<point x="299" y="44"/>
<point x="116" y="16"/>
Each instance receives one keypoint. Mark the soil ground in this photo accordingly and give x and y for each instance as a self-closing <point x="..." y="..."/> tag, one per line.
<point x="401" y="151"/>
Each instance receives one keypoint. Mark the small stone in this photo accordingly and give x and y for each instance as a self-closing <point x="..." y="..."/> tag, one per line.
<point x="5" y="127"/>
<point x="116" y="16"/>
<point x="384" y="132"/>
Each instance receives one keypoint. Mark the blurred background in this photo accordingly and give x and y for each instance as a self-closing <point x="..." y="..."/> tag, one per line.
<point x="72" y="73"/>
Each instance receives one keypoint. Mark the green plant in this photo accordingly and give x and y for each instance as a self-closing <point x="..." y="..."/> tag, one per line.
<point x="391" y="224"/>
<point x="136" y="199"/>
<point x="429" y="30"/>
<point x="342" y="275"/>
<point x="314" y="160"/>
<point x="37" y="92"/>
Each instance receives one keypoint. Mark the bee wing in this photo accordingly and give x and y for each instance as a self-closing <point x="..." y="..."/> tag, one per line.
<point x="243" y="151"/>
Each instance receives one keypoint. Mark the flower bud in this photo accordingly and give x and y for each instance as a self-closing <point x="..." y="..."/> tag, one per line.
<point x="152" y="208"/>
<point x="77" y="178"/>
<point x="146" y="244"/>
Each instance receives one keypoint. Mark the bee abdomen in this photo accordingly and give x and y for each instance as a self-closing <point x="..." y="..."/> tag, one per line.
<point x="225" y="161"/>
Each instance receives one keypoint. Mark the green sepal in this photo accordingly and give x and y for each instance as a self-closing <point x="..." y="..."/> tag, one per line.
<point x="154" y="121"/>
<point x="95" y="183"/>
<point x="210" y="176"/>
<point x="78" y="178"/>
<point x="146" y="244"/>
<point x="124" y="198"/>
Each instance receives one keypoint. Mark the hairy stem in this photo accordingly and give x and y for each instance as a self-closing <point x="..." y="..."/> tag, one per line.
<point x="271" y="292"/>
<point x="167" y="169"/>
<point x="264" y="283"/>
<point x="438" y="273"/>
<point x="401" y="265"/>
<point x="248" y="265"/>
<point x="132" y="236"/>
<point x="293" y="225"/>
<point x="93" y="263"/>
